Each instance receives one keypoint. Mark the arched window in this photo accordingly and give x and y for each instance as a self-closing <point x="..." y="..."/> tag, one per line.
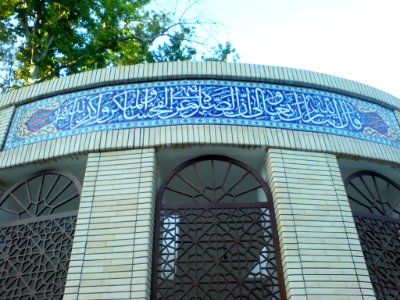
<point x="215" y="235"/>
<point x="375" y="203"/>
<point x="37" y="222"/>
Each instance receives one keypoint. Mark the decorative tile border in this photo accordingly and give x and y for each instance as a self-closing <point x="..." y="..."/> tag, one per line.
<point x="202" y="102"/>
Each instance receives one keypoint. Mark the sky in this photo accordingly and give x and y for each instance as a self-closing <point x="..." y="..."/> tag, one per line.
<point x="352" y="39"/>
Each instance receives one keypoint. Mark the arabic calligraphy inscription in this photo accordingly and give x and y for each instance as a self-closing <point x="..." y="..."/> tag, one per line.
<point x="212" y="102"/>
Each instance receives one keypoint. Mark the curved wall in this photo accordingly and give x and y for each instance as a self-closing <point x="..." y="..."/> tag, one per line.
<point x="328" y="88"/>
<point x="121" y="131"/>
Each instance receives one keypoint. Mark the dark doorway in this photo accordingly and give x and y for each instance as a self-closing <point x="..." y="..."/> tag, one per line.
<point x="215" y="234"/>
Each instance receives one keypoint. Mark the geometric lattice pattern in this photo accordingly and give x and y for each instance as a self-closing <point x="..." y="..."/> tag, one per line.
<point x="215" y="235"/>
<point x="380" y="241"/>
<point x="375" y="202"/>
<point x="34" y="258"/>
<point x="38" y="217"/>
<point x="217" y="254"/>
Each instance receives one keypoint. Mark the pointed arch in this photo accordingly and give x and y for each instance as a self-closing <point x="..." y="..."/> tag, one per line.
<point x="215" y="233"/>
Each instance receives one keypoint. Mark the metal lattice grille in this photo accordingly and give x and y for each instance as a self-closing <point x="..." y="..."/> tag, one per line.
<point x="226" y="253"/>
<point x="36" y="239"/>
<point x="213" y="241"/>
<point x="375" y="202"/>
<point x="380" y="241"/>
<point x="34" y="258"/>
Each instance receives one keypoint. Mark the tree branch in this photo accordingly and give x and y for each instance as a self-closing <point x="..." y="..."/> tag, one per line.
<point x="43" y="54"/>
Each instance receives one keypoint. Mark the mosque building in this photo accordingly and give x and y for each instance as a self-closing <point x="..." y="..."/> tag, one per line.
<point x="199" y="180"/>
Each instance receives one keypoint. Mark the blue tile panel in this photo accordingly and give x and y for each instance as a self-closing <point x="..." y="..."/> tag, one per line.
<point x="202" y="102"/>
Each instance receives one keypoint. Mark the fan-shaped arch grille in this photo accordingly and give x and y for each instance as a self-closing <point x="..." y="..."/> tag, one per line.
<point x="37" y="223"/>
<point x="375" y="202"/>
<point x="215" y="234"/>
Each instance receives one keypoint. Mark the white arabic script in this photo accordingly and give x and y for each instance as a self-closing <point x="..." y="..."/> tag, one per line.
<point x="206" y="101"/>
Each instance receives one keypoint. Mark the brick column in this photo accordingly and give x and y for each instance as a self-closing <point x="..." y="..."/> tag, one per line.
<point x="111" y="256"/>
<point x="321" y="253"/>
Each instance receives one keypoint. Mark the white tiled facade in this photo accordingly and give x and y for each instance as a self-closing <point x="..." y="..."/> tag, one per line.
<point x="321" y="254"/>
<point x="111" y="257"/>
<point x="112" y="250"/>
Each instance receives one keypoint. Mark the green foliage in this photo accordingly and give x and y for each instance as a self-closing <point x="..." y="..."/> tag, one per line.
<point x="222" y="53"/>
<point x="43" y="39"/>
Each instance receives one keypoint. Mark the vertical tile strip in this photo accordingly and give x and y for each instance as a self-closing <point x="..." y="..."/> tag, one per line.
<point x="321" y="253"/>
<point x="111" y="256"/>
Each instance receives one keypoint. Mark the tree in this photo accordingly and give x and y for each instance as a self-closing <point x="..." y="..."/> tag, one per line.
<point x="43" y="39"/>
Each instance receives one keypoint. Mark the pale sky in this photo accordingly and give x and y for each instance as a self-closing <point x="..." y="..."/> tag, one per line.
<point x="353" y="39"/>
